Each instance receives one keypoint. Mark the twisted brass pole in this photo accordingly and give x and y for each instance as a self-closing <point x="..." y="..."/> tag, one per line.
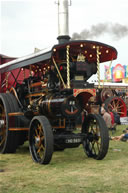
<point x="98" y="65"/>
<point x="68" y="68"/>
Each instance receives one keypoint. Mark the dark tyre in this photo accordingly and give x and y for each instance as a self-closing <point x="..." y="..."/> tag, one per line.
<point x="96" y="142"/>
<point x="41" y="140"/>
<point x="117" y="105"/>
<point x="8" y="139"/>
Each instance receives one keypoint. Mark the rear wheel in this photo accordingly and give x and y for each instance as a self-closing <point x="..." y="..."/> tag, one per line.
<point x="8" y="139"/>
<point x="41" y="140"/>
<point x="96" y="142"/>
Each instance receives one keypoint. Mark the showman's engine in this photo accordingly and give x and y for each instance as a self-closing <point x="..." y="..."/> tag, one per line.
<point x="46" y="97"/>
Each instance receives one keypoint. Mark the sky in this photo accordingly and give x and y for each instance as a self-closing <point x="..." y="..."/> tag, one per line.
<point x="26" y="24"/>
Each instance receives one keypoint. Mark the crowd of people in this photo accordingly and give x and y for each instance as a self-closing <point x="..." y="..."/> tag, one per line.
<point x="111" y="119"/>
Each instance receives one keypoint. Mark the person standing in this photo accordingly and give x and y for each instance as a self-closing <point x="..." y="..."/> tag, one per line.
<point x="107" y="119"/>
<point x="106" y="116"/>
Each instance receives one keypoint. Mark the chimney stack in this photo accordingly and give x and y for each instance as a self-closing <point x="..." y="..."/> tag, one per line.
<point x="63" y="24"/>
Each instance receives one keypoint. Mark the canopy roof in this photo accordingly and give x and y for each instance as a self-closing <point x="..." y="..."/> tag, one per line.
<point x="86" y="47"/>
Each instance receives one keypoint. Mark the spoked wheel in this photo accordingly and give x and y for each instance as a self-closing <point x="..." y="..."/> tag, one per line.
<point x="8" y="139"/>
<point x="116" y="104"/>
<point x="41" y="140"/>
<point x="96" y="142"/>
<point x="106" y="93"/>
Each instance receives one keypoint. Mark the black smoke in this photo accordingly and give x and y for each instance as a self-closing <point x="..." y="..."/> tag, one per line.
<point x="117" y="31"/>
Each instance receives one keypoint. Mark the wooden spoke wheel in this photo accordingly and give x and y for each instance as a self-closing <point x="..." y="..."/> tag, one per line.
<point x="106" y="93"/>
<point x="117" y="105"/>
<point x="96" y="142"/>
<point x="41" y="140"/>
<point x="8" y="139"/>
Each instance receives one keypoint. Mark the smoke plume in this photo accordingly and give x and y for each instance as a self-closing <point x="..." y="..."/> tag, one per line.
<point x="117" y="31"/>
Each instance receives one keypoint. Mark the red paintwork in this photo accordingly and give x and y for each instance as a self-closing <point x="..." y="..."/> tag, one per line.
<point x="11" y="78"/>
<point x="4" y="59"/>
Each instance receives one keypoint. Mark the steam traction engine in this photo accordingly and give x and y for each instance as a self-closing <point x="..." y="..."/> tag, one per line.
<point x="43" y="95"/>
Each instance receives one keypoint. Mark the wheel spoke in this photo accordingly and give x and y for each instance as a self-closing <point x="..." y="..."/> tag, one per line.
<point x="2" y="133"/>
<point x="110" y="105"/>
<point x="41" y="147"/>
<point x="114" y="104"/>
<point x="2" y="141"/>
<point x="98" y="145"/>
<point x="93" y="148"/>
<point x="121" y="106"/>
<point x="121" y="113"/>
<point x="117" y="103"/>
<point x="42" y="138"/>
<point x="40" y="130"/>
<point x="36" y="133"/>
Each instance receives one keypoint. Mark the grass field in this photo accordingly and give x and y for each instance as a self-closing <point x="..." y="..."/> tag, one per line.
<point x="70" y="171"/>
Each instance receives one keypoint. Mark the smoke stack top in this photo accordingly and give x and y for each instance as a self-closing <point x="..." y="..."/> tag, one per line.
<point x="63" y="23"/>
